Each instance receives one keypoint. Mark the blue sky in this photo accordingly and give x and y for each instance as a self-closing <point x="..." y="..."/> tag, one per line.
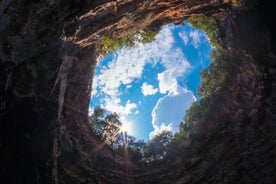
<point x="152" y="85"/>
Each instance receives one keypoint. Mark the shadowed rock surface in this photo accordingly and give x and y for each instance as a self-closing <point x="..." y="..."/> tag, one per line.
<point x="48" y="53"/>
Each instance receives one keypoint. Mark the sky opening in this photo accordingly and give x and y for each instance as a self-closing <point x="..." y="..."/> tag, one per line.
<point x="151" y="85"/>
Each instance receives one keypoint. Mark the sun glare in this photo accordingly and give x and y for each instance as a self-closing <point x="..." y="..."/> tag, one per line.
<point x="126" y="127"/>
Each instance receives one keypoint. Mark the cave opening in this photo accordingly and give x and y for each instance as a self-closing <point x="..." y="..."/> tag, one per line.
<point x="49" y="51"/>
<point x="146" y="79"/>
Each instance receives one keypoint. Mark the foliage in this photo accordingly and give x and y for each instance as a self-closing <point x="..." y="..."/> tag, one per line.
<point x="134" y="149"/>
<point x="209" y="26"/>
<point x="213" y="77"/>
<point x="141" y="36"/>
<point x="194" y="114"/>
<point x="156" y="149"/>
<point x="212" y="81"/>
<point x="105" y="125"/>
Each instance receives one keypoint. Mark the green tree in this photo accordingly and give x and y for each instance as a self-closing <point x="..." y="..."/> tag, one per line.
<point x="212" y="82"/>
<point x="131" y="148"/>
<point x="156" y="147"/>
<point x="213" y="77"/>
<point x="141" y="36"/>
<point x="105" y="125"/>
<point x="209" y="25"/>
<point x="135" y="149"/>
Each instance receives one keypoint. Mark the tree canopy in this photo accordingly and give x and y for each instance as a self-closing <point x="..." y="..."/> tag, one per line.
<point x="105" y="125"/>
<point x="142" y="36"/>
<point x="209" y="25"/>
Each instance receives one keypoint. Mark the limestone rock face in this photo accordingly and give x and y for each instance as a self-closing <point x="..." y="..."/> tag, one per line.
<point x="48" y="53"/>
<point x="236" y="136"/>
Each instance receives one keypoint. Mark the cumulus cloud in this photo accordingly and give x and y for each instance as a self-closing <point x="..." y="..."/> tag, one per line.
<point x="166" y="81"/>
<point x="114" y="105"/>
<point x="127" y="65"/>
<point x="184" y="37"/>
<point x="170" y="110"/>
<point x="175" y="66"/>
<point x="196" y="37"/>
<point x="148" y="89"/>
<point x="158" y="129"/>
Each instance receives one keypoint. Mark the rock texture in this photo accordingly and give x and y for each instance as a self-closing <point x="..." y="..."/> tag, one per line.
<point x="234" y="143"/>
<point x="48" y="53"/>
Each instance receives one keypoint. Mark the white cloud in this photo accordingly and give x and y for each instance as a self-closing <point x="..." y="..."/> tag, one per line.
<point x="90" y="111"/>
<point x="166" y="81"/>
<point x="114" y="105"/>
<point x="170" y="110"/>
<point x="196" y="37"/>
<point x="128" y="86"/>
<point x="176" y="65"/>
<point x="184" y="37"/>
<point x="148" y="89"/>
<point x="126" y="66"/>
<point x="158" y="129"/>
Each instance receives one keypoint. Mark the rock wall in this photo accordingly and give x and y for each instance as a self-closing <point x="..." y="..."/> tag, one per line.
<point x="234" y="143"/>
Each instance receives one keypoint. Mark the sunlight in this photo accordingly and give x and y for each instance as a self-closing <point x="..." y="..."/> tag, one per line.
<point x="127" y="127"/>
